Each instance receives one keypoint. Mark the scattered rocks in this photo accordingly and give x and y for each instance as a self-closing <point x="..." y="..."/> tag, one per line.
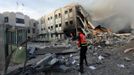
<point x="127" y="59"/>
<point x="92" y="67"/>
<point x="121" y="65"/>
<point x="100" y="57"/>
<point x="128" y="50"/>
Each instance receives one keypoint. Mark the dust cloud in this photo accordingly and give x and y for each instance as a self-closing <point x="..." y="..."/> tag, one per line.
<point x="115" y="14"/>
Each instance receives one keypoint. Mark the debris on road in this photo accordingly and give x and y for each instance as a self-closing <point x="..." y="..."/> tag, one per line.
<point x="127" y="59"/>
<point x="92" y="67"/>
<point x="121" y="65"/>
<point x="128" y="50"/>
<point x="100" y="57"/>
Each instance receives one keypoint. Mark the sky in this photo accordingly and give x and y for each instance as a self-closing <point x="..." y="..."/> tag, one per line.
<point x="33" y="8"/>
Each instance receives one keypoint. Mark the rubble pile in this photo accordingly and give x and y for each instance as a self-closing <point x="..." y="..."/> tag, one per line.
<point x="114" y="40"/>
<point x="103" y="59"/>
<point x="50" y="62"/>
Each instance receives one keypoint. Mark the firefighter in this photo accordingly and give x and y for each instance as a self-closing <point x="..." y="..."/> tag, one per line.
<point x="82" y="43"/>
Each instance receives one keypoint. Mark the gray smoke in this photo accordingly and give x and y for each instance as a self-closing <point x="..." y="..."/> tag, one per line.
<point x="115" y="14"/>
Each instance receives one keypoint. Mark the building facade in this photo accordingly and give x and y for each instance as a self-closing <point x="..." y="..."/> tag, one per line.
<point x="16" y="27"/>
<point x="60" y="22"/>
<point x="42" y="30"/>
<point x="15" y="30"/>
<point x="1" y="19"/>
<point x="32" y="29"/>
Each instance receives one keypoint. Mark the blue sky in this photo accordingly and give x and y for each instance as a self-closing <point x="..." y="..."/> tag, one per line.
<point x="33" y="8"/>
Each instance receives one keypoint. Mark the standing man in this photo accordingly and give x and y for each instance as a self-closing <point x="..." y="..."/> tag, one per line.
<point x="82" y="43"/>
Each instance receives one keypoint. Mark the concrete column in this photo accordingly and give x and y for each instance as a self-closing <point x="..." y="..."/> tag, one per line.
<point x="132" y="27"/>
<point x="16" y="37"/>
<point x="2" y="50"/>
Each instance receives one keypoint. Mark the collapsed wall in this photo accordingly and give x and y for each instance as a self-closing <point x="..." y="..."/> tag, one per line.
<point x="115" y="14"/>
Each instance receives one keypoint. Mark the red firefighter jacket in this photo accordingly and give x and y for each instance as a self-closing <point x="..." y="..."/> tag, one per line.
<point x="82" y="40"/>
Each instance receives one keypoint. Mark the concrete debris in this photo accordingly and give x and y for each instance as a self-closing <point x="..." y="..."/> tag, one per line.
<point x="128" y="50"/>
<point x="68" y="51"/>
<point x="76" y="57"/>
<point x="95" y="53"/>
<point x="70" y="61"/>
<point x="74" y="61"/>
<point x="106" y="55"/>
<point x="61" y="59"/>
<point x="31" y="52"/>
<point x="100" y="57"/>
<point x="98" y="53"/>
<point x="53" y="61"/>
<point x="71" y="55"/>
<point x="121" y="65"/>
<point x="63" y="68"/>
<point x="92" y="67"/>
<point x="127" y="59"/>
<point x="48" y="59"/>
<point x="107" y="42"/>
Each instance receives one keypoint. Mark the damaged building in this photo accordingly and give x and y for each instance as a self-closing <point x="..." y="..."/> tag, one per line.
<point x="63" y="21"/>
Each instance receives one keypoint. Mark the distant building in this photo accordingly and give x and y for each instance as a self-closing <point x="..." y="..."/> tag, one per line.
<point x="32" y="28"/>
<point x="16" y="26"/>
<point x="16" y="19"/>
<point x="63" y="21"/>
<point x="1" y="19"/>
<point x="42" y="29"/>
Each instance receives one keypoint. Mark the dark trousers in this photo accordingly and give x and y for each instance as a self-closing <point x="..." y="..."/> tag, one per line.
<point x="83" y="57"/>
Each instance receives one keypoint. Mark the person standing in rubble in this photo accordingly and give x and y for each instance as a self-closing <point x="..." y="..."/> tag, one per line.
<point x="82" y="43"/>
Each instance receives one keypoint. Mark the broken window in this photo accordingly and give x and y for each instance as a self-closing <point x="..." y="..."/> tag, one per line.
<point x="71" y="22"/>
<point x="41" y="29"/>
<point x="6" y="19"/>
<point x="56" y="16"/>
<point x="59" y="25"/>
<point x="34" y="24"/>
<point x="56" y="26"/>
<point x="51" y="35"/>
<point x="70" y="10"/>
<point x="66" y="23"/>
<point x="28" y="30"/>
<point x="51" y="17"/>
<point x="59" y="14"/>
<point x="28" y="37"/>
<point x="33" y="30"/>
<point x="51" y="27"/>
<point x="19" y="20"/>
<point x="66" y="12"/>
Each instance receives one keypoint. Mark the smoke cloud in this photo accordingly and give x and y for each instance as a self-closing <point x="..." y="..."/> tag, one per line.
<point x="115" y="14"/>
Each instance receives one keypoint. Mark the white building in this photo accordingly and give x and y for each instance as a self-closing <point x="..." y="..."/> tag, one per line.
<point x="32" y="28"/>
<point x="42" y="29"/>
<point x="16" y="19"/>
<point x="1" y="19"/>
<point x="19" y="23"/>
